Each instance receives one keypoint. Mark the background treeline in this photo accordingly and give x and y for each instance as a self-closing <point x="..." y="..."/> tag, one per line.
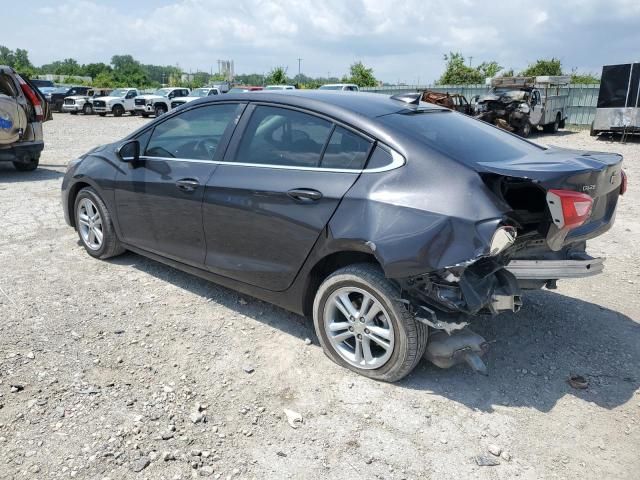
<point x="125" y="71"/>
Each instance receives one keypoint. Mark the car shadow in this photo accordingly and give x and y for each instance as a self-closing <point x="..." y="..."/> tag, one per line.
<point x="531" y="356"/>
<point x="8" y="174"/>
<point x="533" y="353"/>
<point x="263" y="312"/>
<point x="560" y="133"/>
<point x="617" y="138"/>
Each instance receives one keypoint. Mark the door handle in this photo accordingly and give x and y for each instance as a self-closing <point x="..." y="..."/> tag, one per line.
<point x="305" y="194"/>
<point x="187" y="184"/>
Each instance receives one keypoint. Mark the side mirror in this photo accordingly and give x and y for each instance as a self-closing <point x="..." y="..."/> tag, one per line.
<point x="129" y="151"/>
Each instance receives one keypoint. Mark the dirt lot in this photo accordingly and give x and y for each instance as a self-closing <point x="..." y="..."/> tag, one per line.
<point x="131" y="369"/>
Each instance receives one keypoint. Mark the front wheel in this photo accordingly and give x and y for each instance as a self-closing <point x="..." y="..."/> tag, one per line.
<point x="525" y="130"/>
<point x="362" y="325"/>
<point x="118" y="110"/>
<point x="160" y="110"/>
<point x="87" y="109"/>
<point x="94" y="225"/>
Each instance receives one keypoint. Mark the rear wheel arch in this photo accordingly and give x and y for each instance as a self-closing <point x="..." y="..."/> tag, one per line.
<point x="328" y="265"/>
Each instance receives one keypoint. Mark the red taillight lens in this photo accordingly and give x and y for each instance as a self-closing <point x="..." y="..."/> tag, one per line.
<point x="32" y="97"/>
<point x="623" y="184"/>
<point x="569" y="209"/>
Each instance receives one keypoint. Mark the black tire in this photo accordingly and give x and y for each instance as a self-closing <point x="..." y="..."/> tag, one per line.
<point x="117" y="110"/>
<point x="103" y="114"/>
<point x="160" y="110"/>
<point x="110" y="244"/>
<point x="73" y="112"/>
<point x="27" y="166"/>
<point x="553" y="127"/>
<point x="87" y="109"/>
<point x="410" y="336"/>
<point x="525" y="129"/>
<point x="145" y="115"/>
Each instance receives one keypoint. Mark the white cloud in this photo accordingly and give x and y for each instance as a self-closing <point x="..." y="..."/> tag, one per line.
<point x="399" y="39"/>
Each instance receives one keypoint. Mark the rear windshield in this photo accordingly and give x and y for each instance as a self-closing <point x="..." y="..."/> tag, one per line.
<point x="460" y="137"/>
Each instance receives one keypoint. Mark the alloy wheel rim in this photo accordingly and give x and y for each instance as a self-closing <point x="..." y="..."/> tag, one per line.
<point x="359" y="328"/>
<point x="90" y="224"/>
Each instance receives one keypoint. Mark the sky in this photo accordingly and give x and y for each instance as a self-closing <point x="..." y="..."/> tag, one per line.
<point x="402" y="40"/>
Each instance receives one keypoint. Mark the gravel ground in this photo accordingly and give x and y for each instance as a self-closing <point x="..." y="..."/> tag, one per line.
<point x="131" y="369"/>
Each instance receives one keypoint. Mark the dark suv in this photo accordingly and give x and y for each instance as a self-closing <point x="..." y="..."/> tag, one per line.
<point x="381" y="217"/>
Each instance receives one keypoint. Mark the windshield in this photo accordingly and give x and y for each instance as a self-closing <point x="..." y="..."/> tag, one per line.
<point x="162" y="92"/>
<point x="199" y="92"/>
<point x="460" y="137"/>
<point x="330" y="87"/>
<point x="238" y="90"/>
<point x="275" y="87"/>
<point x="119" y="92"/>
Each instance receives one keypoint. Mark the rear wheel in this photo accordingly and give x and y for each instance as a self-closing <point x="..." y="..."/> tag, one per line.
<point x="553" y="127"/>
<point x="94" y="225"/>
<point x="117" y="110"/>
<point x="27" y="166"/>
<point x="363" y="326"/>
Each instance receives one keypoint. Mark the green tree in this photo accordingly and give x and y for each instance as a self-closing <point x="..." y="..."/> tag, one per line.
<point x="18" y="60"/>
<point x="277" y="76"/>
<point x="128" y="72"/>
<point x="583" y="78"/>
<point x="489" y="69"/>
<point x="458" y="73"/>
<point x="361" y="75"/>
<point x="543" y="66"/>
<point x="94" y="69"/>
<point x="104" y="79"/>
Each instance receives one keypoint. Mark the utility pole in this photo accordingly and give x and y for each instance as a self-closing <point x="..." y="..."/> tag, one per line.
<point x="470" y="58"/>
<point x="299" y="69"/>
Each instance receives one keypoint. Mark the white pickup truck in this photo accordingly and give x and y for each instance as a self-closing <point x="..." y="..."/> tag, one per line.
<point x="521" y="104"/>
<point x="117" y="102"/>
<point x="194" y="95"/>
<point x="158" y="102"/>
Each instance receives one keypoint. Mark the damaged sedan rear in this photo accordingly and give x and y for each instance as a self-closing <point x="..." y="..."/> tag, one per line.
<point x="393" y="223"/>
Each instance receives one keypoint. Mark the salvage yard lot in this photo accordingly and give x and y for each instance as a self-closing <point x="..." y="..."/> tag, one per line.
<point x="131" y="369"/>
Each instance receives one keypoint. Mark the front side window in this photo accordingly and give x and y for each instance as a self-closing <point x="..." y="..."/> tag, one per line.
<point x="193" y="134"/>
<point x="278" y="136"/>
<point x="346" y="150"/>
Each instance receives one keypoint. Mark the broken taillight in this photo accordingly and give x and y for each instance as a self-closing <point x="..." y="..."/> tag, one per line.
<point x="32" y="97"/>
<point x="569" y="209"/>
<point x="623" y="183"/>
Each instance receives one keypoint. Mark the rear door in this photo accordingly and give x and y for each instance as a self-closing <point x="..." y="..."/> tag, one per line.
<point x="265" y="206"/>
<point x="159" y="197"/>
<point x="46" y="108"/>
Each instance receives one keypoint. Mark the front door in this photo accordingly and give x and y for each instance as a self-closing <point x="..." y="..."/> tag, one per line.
<point x="159" y="197"/>
<point x="266" y="205"/>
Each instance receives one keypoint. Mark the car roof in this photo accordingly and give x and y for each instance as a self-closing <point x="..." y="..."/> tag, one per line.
<point x="331" y="102"/>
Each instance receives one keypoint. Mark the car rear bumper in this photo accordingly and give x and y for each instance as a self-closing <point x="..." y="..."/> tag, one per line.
<point x="22" y="151"/>
<point x="555" y="269"/>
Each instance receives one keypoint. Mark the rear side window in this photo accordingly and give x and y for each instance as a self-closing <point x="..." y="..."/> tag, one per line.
<point x="345" y="150"/>
<point x="193" y="134"/>
<point x="279" y="136"/>
<point x="460" y="137"/>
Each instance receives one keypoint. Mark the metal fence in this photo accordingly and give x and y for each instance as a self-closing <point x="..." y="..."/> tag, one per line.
<point x="581" y="107"/>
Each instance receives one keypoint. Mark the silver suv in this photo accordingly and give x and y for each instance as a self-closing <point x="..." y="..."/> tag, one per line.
<point x="23" y="109"/>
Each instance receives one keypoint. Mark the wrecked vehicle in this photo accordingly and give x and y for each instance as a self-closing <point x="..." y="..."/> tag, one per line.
<point x="387" y="220"/>
<point x="23" y="109"/>
<point x="521" y="104"/>
<point x="454" y="101"/>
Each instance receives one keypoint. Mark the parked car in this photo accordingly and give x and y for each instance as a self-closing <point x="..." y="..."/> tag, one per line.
<point x="118" y="102"/>
<point x="245" y="88"/>
<point x="279" y="87"/>
<point x="40" y="84"/>
<point x="383" y="218"/>
<point x="23" y="109"/>
<point x="347" y="87"/>
<point x="521" y="104"/>
<point x="159" y="102"/>
<point x="194" y="95"/>
<point x="56" y="98"/>
<point x="84" y="103"/>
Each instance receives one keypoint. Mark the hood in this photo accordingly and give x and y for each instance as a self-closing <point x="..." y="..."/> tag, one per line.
<point x="77" y="97"/>
<point x="150" y="96"/>
<point x="185" y="99"/>
<point x="109" y="99"/>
